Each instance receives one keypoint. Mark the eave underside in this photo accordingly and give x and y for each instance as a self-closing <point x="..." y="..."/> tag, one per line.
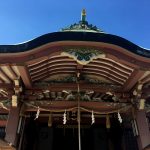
<point x="47" y="74"/>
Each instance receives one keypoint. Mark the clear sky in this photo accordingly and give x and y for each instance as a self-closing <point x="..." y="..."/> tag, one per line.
<point x="23" y="20"/>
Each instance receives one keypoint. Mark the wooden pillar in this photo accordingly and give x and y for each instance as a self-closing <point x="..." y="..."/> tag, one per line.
<point x="12" y="124"/>
<point x="143" y="129"/>
<point x="22" y="124"/>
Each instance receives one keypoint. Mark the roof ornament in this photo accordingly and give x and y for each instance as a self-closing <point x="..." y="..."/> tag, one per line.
<point x="83" y="55"/>
<point x="83" y="15"/>
<point x="82" y="25"/>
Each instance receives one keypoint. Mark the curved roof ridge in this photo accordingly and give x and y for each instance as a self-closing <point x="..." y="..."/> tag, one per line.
<point x="76" y="36"/>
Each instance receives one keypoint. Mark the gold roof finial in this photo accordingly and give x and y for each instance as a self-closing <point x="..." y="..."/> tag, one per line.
<point x="83" y="15"/>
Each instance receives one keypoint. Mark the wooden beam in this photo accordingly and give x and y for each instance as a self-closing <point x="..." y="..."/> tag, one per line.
<point x="146" y="79"/>
<point x="3" y="98"/>
<point x="101" y="107"/>
<point x="48" y="71"/>
<point x="133" y="79"/>
<point x="112" y="63"/>
<point x="6" y="85"/>
<point x="58" y="87"/>
<point x="7" y="69"/>
<point x="106" y="76"/>
<point x="61" y="66"/>
<point x="1" y="81"/>
<point x="12" y="72"/>
<point x="107" y="67"/>
<point x="4" y="111"/>
<point x="50" y="62"/>
<point x="25" y="76"/>
<point x="47" y="75"/>
<point x="110" y="72"/>
<point x="5" y="76"/>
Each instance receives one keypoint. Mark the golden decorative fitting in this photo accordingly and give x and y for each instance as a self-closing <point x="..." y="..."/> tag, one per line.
<point x="84" y="12"/>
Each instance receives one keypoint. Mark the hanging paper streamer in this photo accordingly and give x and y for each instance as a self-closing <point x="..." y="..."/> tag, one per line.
<point x="93" y="118"/>
<point x="64" y="118"/>
<point x="37" y="113"/>
<point x="119" y="117"/>
<point x="107" y="121"/>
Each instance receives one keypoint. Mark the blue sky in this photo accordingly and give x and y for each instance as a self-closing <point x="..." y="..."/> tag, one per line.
<point x="23" y="20"/>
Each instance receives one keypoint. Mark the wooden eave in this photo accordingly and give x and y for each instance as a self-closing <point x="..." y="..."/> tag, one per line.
<point x="49" y="49"/>
<point x="121" y="66"/>
<point x="31" y="72"/>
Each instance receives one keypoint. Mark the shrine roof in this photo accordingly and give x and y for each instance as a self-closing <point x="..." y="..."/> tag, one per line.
<point x="75" y="36"/>
<point x="48" y="65"/>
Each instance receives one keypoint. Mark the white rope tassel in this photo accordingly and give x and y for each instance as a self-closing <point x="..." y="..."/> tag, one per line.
<point x="64" y="118"/>
<point x="93" y="118"/>
<point x="119" y="117"/>
<point x="37" y="113"/>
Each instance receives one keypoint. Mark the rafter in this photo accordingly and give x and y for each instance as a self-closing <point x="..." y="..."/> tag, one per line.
<point x="45" y="61"/>
<point x="113" y="63"/>
<point x="51" y="62"/>
<point x="133" y="79"/>
<point x="12" y="72"/>
<point x="107" y="71"/>
<point x="105" y="75"/>
<point x="46" y="75"/>
<point x="7" y="69"/>
<point x="57" y="70"/>
<point x="108" y="67"/>
<point x="1" y="81"/>
<point x="4" y="76"/>
<point x="25" y="76"/>
<point x="52" y="67"/>
<point x="146" y="79"/>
